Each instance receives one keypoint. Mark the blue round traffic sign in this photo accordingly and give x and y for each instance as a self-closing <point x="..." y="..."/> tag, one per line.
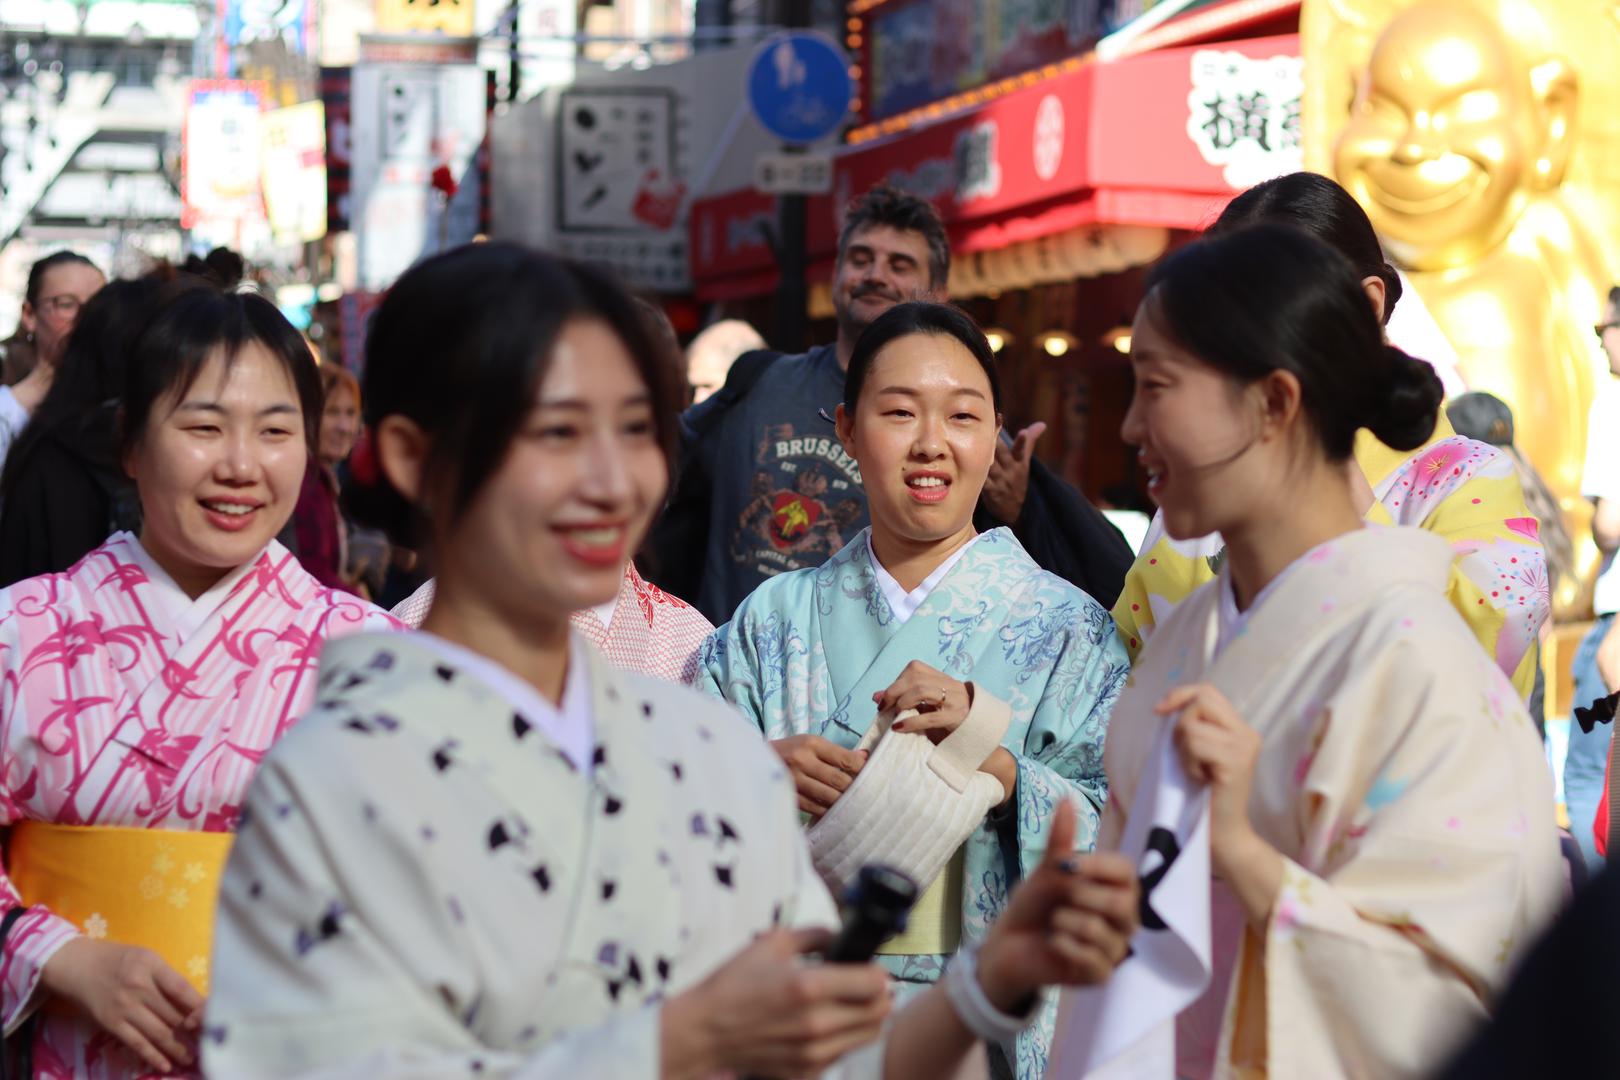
<point x="799" y="86"/>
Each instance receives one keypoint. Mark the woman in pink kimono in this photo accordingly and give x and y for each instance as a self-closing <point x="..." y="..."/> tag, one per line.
<point x="140" y="688"/>
<point x="1380" y="825"/>
<point x="642" y="629"/>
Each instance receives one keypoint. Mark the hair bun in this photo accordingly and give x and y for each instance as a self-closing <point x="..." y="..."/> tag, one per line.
<point x="1406" y="416"/>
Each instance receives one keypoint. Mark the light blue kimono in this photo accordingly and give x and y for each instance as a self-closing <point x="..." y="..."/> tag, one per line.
<point x="806" y="651"/>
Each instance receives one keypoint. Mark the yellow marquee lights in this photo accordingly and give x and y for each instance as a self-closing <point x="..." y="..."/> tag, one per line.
<point x="998" y="338"/>
<point x="1057" y="343"/>
<point x="959" y="102"/>
<point x="1119" y="338"/>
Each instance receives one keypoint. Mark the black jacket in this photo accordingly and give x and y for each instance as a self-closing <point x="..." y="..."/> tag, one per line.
<point x="1067" y="536"/>
<point x="68" y="496"/>
<point x="1058" y="526"/>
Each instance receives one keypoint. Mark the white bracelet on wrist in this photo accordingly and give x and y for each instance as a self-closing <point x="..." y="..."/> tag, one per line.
<point x="975" y="1011"/>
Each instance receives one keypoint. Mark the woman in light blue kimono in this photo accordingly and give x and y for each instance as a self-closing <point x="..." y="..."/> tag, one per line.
<point x="921" y="613"/>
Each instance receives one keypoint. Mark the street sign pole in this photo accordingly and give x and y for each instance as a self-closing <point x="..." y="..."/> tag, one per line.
<point x="799" y="89"/>
<point x="792" y="293"/>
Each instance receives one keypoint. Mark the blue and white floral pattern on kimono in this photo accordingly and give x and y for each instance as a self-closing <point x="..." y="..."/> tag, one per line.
<point x="806" y="651"/>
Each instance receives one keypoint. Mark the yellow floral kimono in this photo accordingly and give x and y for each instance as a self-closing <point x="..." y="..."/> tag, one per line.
<point x="1464" y="491"/>
<point x="1402" y="782"/>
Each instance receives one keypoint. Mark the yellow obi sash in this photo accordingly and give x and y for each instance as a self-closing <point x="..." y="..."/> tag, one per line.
<point x="150" y="887"/>
<point x="935" y="924"/>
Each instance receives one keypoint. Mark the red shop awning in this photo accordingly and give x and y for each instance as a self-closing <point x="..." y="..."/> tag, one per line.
<point x="1158" y="139"/>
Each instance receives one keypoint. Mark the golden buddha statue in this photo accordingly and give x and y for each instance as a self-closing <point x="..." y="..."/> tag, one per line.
<point x="1481" y="138"/>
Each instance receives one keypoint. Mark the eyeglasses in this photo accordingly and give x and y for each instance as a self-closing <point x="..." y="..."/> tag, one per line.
<point x="65" y="304"/>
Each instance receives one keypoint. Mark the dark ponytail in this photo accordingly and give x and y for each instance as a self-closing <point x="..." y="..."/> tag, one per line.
<point x="1325" y="210"/>
<point x="1268" y="298"/>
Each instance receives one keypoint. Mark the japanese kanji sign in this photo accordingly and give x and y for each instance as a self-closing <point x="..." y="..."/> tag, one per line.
<point x="1243" y="114"/>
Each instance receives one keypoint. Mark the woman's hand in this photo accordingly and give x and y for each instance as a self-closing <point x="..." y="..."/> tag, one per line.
<point x="130" y="993"/>
<point x="941" y="702"/>
<point x="768" y="1013"/>
<point x="1218" y="748"/>
<point x="1068" y="923"/>
<point x="822" y="770"/>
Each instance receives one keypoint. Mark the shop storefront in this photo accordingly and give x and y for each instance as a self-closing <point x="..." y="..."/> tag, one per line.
<point x="1057" y="187"/>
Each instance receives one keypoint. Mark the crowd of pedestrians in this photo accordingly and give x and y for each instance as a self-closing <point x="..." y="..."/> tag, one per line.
<point x="678" y="646"/>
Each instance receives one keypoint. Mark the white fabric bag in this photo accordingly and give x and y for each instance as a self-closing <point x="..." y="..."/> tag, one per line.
<point x="913" y="804"/>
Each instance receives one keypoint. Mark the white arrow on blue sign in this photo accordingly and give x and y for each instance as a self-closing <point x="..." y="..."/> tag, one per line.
<point x="799" y="86"/>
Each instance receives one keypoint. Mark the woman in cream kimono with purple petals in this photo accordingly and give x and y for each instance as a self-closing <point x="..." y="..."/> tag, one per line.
<point x="1381" y="819"/>
<point x="488" y="851"/>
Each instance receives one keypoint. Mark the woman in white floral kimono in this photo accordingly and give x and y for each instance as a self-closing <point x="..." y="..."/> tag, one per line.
<point x="920" y="612"/>
<point x="1381" y="818"/>
<point x="488" y="851"/>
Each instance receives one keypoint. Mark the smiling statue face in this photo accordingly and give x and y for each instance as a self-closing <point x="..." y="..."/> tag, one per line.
<point x="219" y="468"/>
<point x="1443" y="137"/>
<point x="551" y="530"/>
<point x="924" y="434"/>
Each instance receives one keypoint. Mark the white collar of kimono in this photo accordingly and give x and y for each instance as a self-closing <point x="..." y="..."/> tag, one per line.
<point x="1231" y="621"/>
<point x="570" y="728"/>
<point x="604" y="613"/>
<point x="905" y="604"/>
<point x="187" y="614"/>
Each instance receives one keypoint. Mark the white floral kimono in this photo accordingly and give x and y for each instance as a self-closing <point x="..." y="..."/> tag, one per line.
<point x="425" y="884"/>
<point x="1404" y="783"/>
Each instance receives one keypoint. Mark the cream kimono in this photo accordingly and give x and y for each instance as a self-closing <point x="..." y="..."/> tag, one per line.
<point x="424" y="884"/>
<point x="1402" y="781"/>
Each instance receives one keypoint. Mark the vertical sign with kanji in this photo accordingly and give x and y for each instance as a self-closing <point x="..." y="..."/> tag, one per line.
<point x="411" y="121"/>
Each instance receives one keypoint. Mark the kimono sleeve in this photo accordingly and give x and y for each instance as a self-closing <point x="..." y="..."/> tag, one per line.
<point x="37" y="934"/>
<point x="728" y="670"/>
<point x="1499" y="579"/>
<point x="1429" y="860"/>
<point x="324" y="967"/>
<point x="1163" y="575"/>
<point x="1062" y="752"/>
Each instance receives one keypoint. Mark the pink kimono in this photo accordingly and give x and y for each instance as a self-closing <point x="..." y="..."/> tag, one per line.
<point x="650" y="631"/>
<point x="124" y="702"/>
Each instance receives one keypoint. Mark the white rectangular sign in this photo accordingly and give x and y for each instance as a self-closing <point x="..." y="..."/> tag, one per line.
<point x="793" y="174"/>
<point x="410" y="119"/>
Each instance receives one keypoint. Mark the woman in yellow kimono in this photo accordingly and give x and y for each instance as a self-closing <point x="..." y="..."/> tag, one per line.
<point x="1381" y="828"/>
<point x="1464" y="491"/>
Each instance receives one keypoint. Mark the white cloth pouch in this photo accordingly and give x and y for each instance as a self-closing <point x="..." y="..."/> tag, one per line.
<point x="913" y="804"/>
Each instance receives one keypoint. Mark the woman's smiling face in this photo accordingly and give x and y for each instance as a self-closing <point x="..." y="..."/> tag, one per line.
<point x="924" y="434"/>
